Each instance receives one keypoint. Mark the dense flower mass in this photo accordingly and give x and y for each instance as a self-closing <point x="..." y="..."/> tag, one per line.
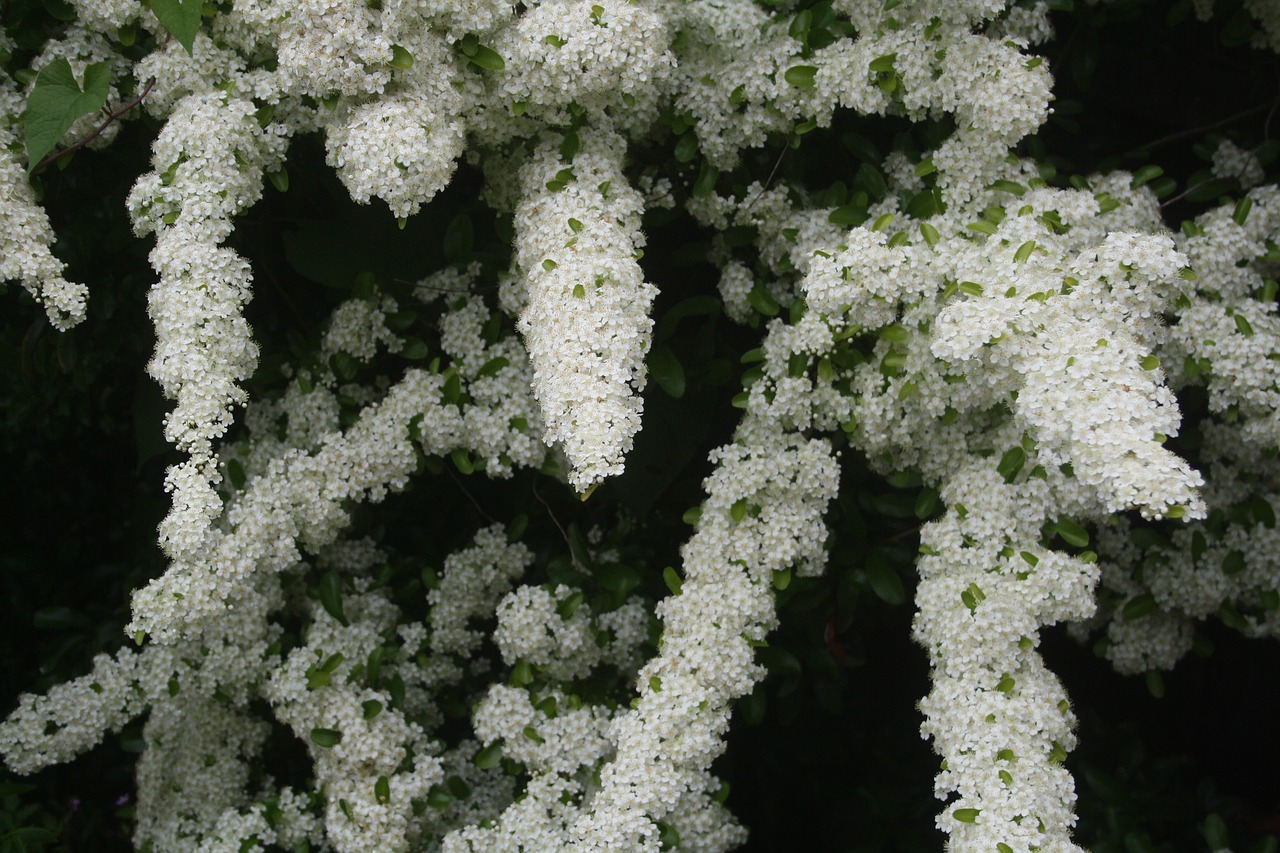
<point x="1015" y="346"/>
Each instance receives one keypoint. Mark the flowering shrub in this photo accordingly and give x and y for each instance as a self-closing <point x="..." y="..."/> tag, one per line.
<point x="425" y="586"/>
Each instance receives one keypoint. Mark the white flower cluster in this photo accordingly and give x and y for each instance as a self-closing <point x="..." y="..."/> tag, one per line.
<point x="1227" y="339"/>
<point x="763" y="514"/>
<point x="586" y="325"/>
<point x="26" y="239"/>
<point x="296" y="496"/>
<point x="603" y="56"/>
<point x="997" y="716"/>
<point x="1012" y="344"/>
<point x="403" y="146"/>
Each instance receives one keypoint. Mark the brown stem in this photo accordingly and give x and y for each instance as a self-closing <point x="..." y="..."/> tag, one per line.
<point x="110" y="118"/>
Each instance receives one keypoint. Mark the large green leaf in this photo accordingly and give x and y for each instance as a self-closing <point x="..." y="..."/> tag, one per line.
<point x="181" y="18"/>
<point x="56" y="101"/>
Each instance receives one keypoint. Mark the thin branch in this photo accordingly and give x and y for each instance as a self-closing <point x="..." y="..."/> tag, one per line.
<point x="1195" y="131"/>
<point x="1180" y="196"/>
<point x="110" y="118"/>
<point x="769" y="182"/>
<point x="470" y="497"/>
<point x="556" y="522"/>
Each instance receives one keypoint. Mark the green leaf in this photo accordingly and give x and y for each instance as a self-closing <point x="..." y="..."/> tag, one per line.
<point x="1241" y="213"/>
<point x="1138" y="606"/>
<point x="371" y="708"/>
<point x="1233" y="563"/>
<point x="491" y="367"/>
<point x="414" y="349"/>
<point x="930" y="234"/>
<point x="326" y="738"/>
<point x="1024" y="251"/>
<point x="672" y="579"/>
<point x="966" y="815"/>
<point x="666" y="370"/>
<point x="1149" y="362"/>
<point x="181" y="18"/>
<point x="927" y="503"/>
<point x="1071" y="533"/>
<point x="1145" y="174"/>
<point x="489" y="757"/>
<point x="801" y="76"/>
<point x="1011" y="463"/>
<point x="279" y="179"/>
<point x="885" y="582"/>
<point x="487" y="58"/>
<point x="57" y="101"/>
<point x="883" y="64"/>
<point x="401" y="58"/>
<point x="331" y="596"/>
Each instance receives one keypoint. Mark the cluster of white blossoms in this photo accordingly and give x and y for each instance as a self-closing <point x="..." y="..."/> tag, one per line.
<point x="586" y="321"/>
<point x="1017" y="345"/>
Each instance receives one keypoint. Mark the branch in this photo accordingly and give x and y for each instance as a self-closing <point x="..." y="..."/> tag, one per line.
<point x="110" y="118"/>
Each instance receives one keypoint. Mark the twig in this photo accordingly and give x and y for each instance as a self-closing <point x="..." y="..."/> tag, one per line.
<point x="1180" y="196"/>
<point x="470" y="497"/>
<point x="556" y="522"/>
<point x="110" y="118"/>
<point x="1173" y="137"/>
<point x="769" y="182"/>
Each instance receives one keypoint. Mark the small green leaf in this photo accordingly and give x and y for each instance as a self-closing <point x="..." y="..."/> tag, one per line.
<point x="331" y="596"/>
<point x="1149" y="362"/>
<point x="782" y="579"/>
<point x="487" y="58"/>
<point x="672" y="579"/>
<point x="279" y="179"/>
<point x="1071" y="533"/>
<point x="1012" y="187"/>
<point x="801" y="76"/>
<point x="1138" y="606"/>
<point x="1243" y="326"/>
<point x="1145" y="174"/>
<point x="1155" y="683"/>
<point x="927" y="503"/>
<point x="1241" y="213"/>
<point x="1233" y="563"/>
<point x="884" y="581"/>
<point x="414" y="349"/>
<point x="489" y="757"/>
<point x="521" y="673"/>
<point x="966" y="815"/>
<point x="739" y="510"/>
<point x="532" y="734"/>
<point x="667" y="371"/>
<point x="1006" y="684"/>
<point x="401" y="58"/>
<point x="492" y="367"/>
<point x="930" y="234"/>
<point x="326" y="738"/>
<point x="371" y="708"/>
<point x="1011" y="463"/>
<point x="56" y="101"/>
<point x="1024" y="251"/>
<point x="181" y="18"/>
<point x="883" y="64"/>
<point x="382" y="790"/>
